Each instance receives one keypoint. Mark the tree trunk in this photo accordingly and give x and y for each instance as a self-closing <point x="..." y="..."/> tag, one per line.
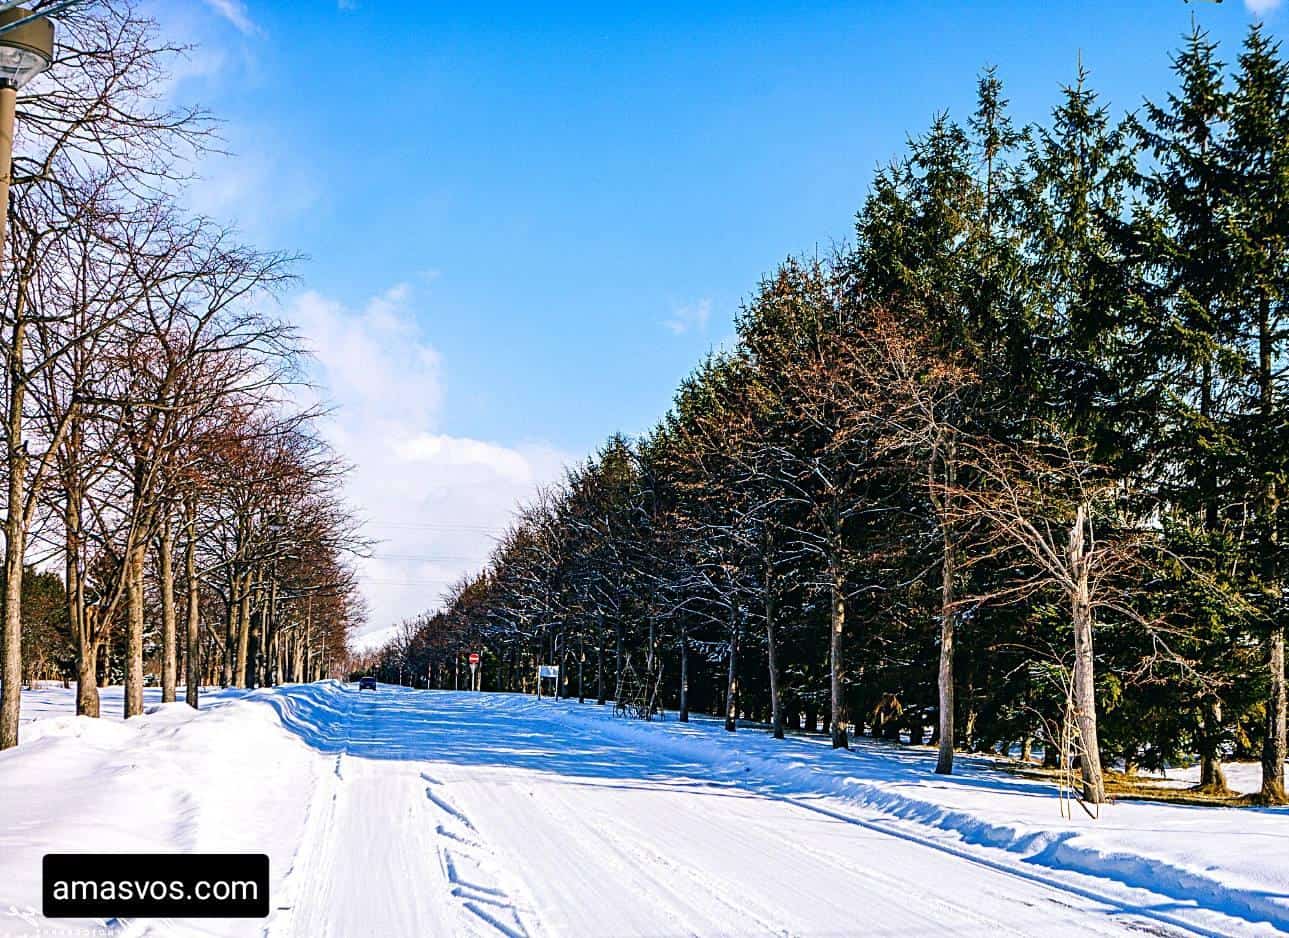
<point x="617" y="664"/>
<point x="231" y="611"/>
<point x="600" y="693"/>
<point x="731" y="688"/>
<point x="87" y="700"/>
<point x="308" y="642"/>
<point x="1131" y="766"/>
<point x="944" y="455"/>
<point x="243" y="631"/>
<point x="192" y="625"/>
<point x="269" y="624"/>
<point x="1085" y="698"/>
<point x="1274" y="749"/>
<point x="837" y="690"/>
<point x="684" y="673"/>
<point x="169" y="653"/>
<point x="649" y="648"/>
<point x="11" y="695"/>
<point x="1051" y="750"/>
<point x="134" y="630"/>
<point x="772" y="654"/>
<point x="944" y="759"/>
<point x="1211" y="777"/>
<point x="969" y="724"/>
<point x="82" y="622"/>
<point x="557" y="646"/>
<point x="254" y="633"/>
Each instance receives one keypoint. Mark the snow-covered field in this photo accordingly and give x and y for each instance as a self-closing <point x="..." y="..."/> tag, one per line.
<point x="433" y="813"/>
<point x="53" y="700"/>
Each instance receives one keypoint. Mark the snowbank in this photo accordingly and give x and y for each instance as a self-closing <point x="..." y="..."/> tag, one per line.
<point x="53" y="700"/>
<point x="228" y="779"/>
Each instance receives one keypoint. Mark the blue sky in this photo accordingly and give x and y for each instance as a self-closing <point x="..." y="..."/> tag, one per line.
<point x="524" y="226"/>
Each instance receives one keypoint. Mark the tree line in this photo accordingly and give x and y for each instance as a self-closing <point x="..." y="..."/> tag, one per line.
<point x="1009" y="465"/>
<point x="169" y="505"/>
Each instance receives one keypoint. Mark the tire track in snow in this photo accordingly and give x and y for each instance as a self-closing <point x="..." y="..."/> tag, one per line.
<point x="632" y="838"/>
<point x="465" y="861"/>
<point x="671" y="871"/>
<point x="445" y="807"/>
<point x="1058" y="886"/>
<point x="377" y="827"/>
<point x="913" y="889"/>
<point x="310" y="867"/>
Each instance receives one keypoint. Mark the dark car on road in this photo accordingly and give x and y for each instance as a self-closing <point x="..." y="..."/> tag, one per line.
<point x="367" y="683"/>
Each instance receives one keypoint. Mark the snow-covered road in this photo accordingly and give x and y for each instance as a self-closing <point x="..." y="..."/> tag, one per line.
<point x="413" y="813"/>
<point x="474" y="814"/>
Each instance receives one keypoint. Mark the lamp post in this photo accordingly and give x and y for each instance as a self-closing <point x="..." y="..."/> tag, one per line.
<point x="26" y="50"/>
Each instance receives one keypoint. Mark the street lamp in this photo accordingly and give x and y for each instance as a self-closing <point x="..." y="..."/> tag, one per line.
<point x="26" y="50"/>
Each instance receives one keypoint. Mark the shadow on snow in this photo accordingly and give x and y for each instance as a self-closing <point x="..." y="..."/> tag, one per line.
<point x="586" y="745"/>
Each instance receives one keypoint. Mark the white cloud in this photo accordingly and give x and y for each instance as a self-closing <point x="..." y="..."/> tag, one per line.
<point x="254" y="177"/>
<point x="692" y="317"/>
<point x="258" y="185"/>
<point x="235" y="12"/>
<point x="371" y="640"/>
<point x="457" y="452"/>
<point x="435" y="501"/>
<point x="1262" y="7"/>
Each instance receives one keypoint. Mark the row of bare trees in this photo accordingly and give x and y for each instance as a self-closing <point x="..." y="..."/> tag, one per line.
<point x="154" y="452"/>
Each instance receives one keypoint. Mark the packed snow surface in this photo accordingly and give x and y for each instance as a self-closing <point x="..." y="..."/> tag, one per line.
<point x="419" y="813"/>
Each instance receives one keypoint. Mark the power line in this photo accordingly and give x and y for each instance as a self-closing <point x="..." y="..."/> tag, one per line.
<point x="419" y="583"/>
<point x="426" y="558"/>
<point x="433" y="526"/>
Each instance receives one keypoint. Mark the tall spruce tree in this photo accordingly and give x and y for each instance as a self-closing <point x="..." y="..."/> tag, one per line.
<point x="1258" y="224"/>
<point x="1191" y="333"/>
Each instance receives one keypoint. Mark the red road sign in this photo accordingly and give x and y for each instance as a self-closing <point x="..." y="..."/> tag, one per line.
<point x="474" y="657"/>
